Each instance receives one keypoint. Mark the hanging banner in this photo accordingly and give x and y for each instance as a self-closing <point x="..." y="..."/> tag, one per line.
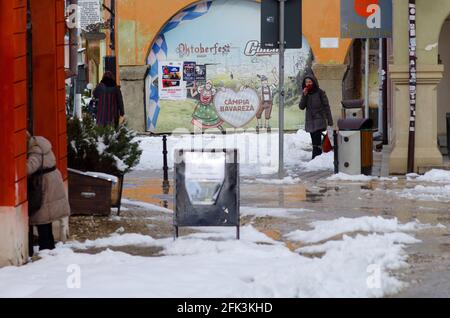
<point x="171" y="84"/>
<point x="366" y="19"/>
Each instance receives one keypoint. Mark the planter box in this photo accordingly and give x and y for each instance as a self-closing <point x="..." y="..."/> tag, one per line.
<point x="89" y="195"/>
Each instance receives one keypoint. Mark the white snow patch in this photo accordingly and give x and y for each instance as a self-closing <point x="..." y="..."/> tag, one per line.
<point x="286" y="181"/>
<point x="360" y="178"/>
<point x="212" y="264"/>
<point x="435" y="175"/>
<point x="354" y="178"/>
<point x="423" y="193"/>
<point x="258" y="152"/>
<point x="103" y="176"/>
<point x="273" y="212"/>
<point x="115" y="240"/>
<point x="146" y="206"/>
<point x="321" y="163"/>
<point x="324" y="230"/>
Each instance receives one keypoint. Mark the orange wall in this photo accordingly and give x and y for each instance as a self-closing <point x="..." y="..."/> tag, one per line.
<point x="141" y="20"/>
<point x="322" y="19"/>
<point x="49" y="96"/>
<point x="48" y="90"/>
<point x="12" y="102"/>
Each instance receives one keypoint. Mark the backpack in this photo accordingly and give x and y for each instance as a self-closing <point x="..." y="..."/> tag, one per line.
<point x="35" y="190"/>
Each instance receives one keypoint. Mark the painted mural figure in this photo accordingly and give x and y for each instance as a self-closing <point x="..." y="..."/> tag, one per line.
<point x="266" y="103"/>
<point x="205" y="116"/>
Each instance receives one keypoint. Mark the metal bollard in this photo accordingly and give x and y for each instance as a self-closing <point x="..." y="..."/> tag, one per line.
<point x="166" y="183"/>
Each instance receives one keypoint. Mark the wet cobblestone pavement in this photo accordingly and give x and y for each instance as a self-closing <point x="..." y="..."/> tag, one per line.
<point x="315" y="198"/>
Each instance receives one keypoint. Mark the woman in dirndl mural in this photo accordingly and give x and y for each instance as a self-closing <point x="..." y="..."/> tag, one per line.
<point x="205" y="115"/>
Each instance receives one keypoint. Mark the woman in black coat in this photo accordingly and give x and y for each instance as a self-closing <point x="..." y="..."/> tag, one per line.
<point x="109" y="102"/>
<point x="318" y="112"/>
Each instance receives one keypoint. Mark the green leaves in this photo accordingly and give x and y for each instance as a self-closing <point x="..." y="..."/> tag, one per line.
<point x="101" y="149"/>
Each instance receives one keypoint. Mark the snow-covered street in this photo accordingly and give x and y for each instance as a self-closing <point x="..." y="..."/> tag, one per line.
<point x="309" y="235"/>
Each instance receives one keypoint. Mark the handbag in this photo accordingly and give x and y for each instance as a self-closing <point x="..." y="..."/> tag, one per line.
<point x="326" y="144"/>
<point x="35" y="190"/>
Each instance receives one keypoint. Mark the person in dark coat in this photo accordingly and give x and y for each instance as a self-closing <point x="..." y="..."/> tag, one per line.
<point x="109" y="101"/>
<point x="318" y="112"/>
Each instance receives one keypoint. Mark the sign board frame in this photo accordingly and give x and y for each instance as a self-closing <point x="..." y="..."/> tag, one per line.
<point x="270" y="21"/>
<point x="361" y="19"/>
<point x="226" y="210"/>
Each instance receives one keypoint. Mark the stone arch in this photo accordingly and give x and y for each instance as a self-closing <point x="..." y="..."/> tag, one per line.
<point x="189" y="4"/>
<point x="157" y="45"/>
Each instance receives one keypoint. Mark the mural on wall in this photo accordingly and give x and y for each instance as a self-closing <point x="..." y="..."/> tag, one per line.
<point x="226" y="78"/>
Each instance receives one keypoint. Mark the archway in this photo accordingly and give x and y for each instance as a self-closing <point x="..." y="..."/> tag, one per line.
<point x="230" y="53"/>
<point x="443" y="89"/>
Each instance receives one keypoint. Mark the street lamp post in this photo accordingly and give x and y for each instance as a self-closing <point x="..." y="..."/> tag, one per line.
<point x="281" y="90"/>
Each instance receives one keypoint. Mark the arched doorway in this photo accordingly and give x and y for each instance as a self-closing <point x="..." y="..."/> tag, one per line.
<point x="220" y="39"/>
<point x="444" y="87"/>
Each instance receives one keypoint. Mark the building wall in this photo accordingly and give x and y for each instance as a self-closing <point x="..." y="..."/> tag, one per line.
<point x="48" y="105"/>
<point x="430" y="19"/>
<point x="141" y="20"/>
<point x="13" y="207"/>
<point x="443" y="88"/>
<point x="49" y="96"/>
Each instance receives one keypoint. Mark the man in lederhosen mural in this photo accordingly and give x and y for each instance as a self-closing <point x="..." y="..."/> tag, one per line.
<point x="266" y="103"/>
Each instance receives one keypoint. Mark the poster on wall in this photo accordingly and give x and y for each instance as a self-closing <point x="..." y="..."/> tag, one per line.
<point x="200" y="73"/>
<point x="171" y="84"/>
<point x="90" y="13"/>
<point x="236" y="79"/>
<point x="189" y="69"/>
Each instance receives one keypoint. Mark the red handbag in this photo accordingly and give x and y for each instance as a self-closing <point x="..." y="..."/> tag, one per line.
<point x="326" y="144"/>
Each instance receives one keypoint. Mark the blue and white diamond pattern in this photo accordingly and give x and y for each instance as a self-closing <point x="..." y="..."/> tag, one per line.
<point x="159" y="53"/>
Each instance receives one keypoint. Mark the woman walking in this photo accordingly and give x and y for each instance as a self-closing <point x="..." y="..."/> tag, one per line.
<point x="318" y="112"/>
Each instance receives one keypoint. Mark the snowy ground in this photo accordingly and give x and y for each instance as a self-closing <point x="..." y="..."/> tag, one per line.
<point x="340" y="236"/>
<point x="258" y="152"/>
<point x="212" y="263"/>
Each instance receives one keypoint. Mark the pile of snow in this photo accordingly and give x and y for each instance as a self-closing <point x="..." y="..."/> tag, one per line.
<point x="213" y="264"/>
<point x="114" y="240"/>
<point x="286" y="181"/>
<point x="354" y="178"/>
<point x="103" y="176"/>
<point x="324" y="230"/>
<point x="358" y="178"/>
<point x="423" y="193"/>
<point x="273" y="212"/>
<point x="146" y="206"/>
<point x="258" y="152"/>
<point x="322" y="163"/>
<point x="438" y="176"/>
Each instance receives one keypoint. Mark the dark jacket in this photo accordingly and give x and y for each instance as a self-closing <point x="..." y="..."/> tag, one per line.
<point x="318" y="112"/>
<point x="109" y="104"/>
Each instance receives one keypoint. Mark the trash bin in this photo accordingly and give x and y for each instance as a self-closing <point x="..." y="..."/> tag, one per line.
<point x="353" y="108"/>
<point x="448" y="134"/>
<point x="355" y="146"/>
